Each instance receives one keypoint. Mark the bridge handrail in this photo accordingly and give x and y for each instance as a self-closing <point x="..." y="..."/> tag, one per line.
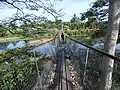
<point x="25" y="50"/>
<point x="98" y="50"/>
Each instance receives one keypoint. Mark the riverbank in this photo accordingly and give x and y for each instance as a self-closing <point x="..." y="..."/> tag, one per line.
<point x="32" y="40"/>
<point x="11" y="39"/>
<point x="40" y="41"/>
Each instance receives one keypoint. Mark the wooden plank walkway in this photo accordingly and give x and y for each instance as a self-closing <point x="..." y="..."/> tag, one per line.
<point x="63" y="79"/>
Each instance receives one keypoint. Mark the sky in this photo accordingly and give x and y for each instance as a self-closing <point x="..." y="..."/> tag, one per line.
<point x="69" y="7"/>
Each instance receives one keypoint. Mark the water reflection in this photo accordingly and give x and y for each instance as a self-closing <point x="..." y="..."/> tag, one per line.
<point x="49" y="48"/>
<point x="1" y="50"/>
<point x="99" y="45"/>
<point x="20" y="44"/>
<point x="12" y="45"/>
<point x="45" y="49"/>
<point x="118" y="46"/>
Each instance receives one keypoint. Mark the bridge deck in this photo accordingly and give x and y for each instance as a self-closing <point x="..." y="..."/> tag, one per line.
<point x="62" y="79"/>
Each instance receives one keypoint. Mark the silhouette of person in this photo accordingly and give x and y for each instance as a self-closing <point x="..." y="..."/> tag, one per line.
<point x="62" y="36"/>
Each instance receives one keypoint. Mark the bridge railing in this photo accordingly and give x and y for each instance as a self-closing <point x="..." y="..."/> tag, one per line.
<point x="89" y="63"/>
<point x="22" y="70"/>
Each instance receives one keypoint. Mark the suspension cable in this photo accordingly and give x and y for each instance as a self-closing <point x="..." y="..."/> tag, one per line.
<point x="100" y="51"/>
<point x="23" y="51"/>
<point x="86" y="61"/>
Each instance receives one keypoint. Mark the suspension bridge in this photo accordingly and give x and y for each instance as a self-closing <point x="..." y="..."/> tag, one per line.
<point x="71" y="65"/>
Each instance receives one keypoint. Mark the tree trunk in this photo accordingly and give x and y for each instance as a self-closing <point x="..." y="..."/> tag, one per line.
<point x="110" y="44"/>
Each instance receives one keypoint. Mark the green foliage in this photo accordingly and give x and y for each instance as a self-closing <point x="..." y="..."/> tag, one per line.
<point x="101" y="32"/>
<point x="97" y="14"/>
<point x="69" y="32"/>
<point x="11" y="52"/>
<point x="11" y="77"/>
<point x="98" y="33"/>
<point x="54" y="31"/>
<point x="3" y="31"/>
<point x="16" y="75"/>
<point x="81" y="32"/>
<point x="97" y="10"/>
<point x="75" y="22"/>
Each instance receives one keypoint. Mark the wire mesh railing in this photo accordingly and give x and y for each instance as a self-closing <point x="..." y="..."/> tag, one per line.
<point x="89" y="63"/>
<point x="17" y="73"/>
<point x="31" y="70"/>
<point x="24" y="69"/>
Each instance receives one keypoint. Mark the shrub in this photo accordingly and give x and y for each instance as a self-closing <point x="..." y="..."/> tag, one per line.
<point x="98" y="33"/>
<point x="69" y="32"/>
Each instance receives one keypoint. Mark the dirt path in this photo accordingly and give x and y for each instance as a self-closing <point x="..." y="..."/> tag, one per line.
<point x="40" y="41"/>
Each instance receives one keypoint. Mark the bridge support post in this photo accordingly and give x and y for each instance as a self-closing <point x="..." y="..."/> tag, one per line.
<point x="37" y="69"/>
<point x="86" y="61"/>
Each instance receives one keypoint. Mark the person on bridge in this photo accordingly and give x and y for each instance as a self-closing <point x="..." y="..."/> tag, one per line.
<point x="62" y="36"/>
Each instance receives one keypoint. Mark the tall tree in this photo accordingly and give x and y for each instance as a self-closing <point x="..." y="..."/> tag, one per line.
<point x="97" y="13"/>
<point x="110" y="44"/>
<point x="100" y="9"/>
<point x="75" y="22"/>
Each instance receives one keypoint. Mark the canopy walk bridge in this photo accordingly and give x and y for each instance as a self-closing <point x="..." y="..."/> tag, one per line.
<point x="71" y="65"/>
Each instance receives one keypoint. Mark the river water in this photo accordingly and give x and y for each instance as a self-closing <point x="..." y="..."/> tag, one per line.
<point x="43" y="49"/>
<point x="47" y="48"/>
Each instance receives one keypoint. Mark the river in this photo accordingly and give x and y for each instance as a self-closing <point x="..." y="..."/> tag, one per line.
<point x="47" y="48"/>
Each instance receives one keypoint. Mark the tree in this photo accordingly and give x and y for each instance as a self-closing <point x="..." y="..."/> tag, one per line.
<point x="58" y="23"/>
<point x="97" y="13"/>
<point x="75" y="22"/>
<point x="100" y="9"/>
<point x="3" y="31"/>
<point x="21" y="5"/>
<point x="110" y="44"/>
<point x="20" y="17"/>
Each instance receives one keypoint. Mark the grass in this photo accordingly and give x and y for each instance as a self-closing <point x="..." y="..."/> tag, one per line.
<point x="11" y="39"/>
<point x="18" y="38"/>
